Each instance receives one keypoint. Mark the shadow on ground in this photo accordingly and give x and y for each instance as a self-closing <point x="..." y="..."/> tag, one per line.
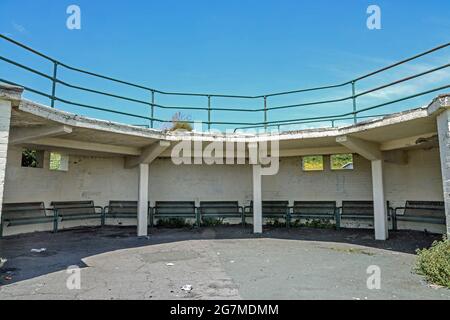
<point x="70" y="247"/>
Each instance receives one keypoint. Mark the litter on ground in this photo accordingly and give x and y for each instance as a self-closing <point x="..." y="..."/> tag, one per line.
<point x="186" y="287"/>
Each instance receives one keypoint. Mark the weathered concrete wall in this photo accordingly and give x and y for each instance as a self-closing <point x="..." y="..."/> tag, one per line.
<point x="443" y="121"/>
<point x="104" y="179"/>
<point x="5" y="119"/>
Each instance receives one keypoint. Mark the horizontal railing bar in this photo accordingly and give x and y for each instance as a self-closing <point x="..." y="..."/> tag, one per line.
<point x="278" y="122"/>
<point x="360" y="110"/>
<point x="310" y="103"/>
<point x="223" y="109"/>
<point x="403" y="99"/>
<point x="110" y="110"/>
<point x="314" y="121"/>
<point x="26" y="68"/>
<point x="64" y="83"/>
<point x="27" y="48"/>
<point x="402" y="80"/>
<point x="221" y="95"/>
<point x="101" y="92"/>
<point x="403" y="61"/>
<point x="305" y="90"/>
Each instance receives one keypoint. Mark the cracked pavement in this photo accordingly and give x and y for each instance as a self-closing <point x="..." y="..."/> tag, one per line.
<point x="226" y="262"/>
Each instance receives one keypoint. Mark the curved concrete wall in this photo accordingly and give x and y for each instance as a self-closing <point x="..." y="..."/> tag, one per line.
<point x="104" y="179"/>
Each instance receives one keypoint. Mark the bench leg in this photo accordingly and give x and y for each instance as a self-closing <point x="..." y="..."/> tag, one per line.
<point x="394" y="222"/>
<point x="338" y="221"/>
<point x="55" y="225"/>
<point x="198" y="219"/>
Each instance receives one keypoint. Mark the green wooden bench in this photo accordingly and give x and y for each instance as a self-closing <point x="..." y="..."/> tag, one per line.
<point x="78" y="210"/>
<point x="26" y="213"/>
<point x="270" y="210"/>
<point x="122" y="209"/>
<point x="432" y="212"/>
<point x="221" y="209"/>
<point x="174" y="209"/>
<point x="315" y="210"/>
<point x="360" y="210"/>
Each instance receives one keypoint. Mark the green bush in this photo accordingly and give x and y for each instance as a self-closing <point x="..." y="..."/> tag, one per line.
<point x="434" y="263"/>
<point x="275" y="223"/>
<point x="313" y="223"/>
<point x="173" y="223"/>
<point x="181" y="125"/>
<point x="212" y="222"/>
<point x="180" y="122"/>
<point x="319" y="224"/>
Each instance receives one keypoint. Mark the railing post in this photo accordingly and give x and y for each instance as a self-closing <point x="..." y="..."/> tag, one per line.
<point x="355" y="120"/>
<point x="265" y="114"/>
<point x="209" y="113"/>
<point x="55" y="71"/>
<point x="152" y="109"/>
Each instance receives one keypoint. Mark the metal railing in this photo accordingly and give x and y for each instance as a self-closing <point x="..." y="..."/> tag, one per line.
<point x="265" y="108"/>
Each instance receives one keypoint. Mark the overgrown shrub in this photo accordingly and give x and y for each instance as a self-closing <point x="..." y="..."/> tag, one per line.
<point x="29" y="158"/>
<point x="181" y="125"/>
<point x="173" y="223"/>
<point x="319" y="224"/>
<point x="276" y="223"/>
<point x="315" y="223"/>
<point x="212" y="222"/>
<point x="180" y="122"/>
<point x="434" y="263"/>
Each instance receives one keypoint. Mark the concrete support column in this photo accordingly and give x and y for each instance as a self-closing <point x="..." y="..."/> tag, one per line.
<point x="443" y="124"/>
<point x="257" y="199"/>
<point x="5" y="119"/>
<point x="142" y="228"/>
<point x="379" y="201"/>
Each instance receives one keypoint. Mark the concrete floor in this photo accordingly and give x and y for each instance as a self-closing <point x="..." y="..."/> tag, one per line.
<point x="219" y="263"/>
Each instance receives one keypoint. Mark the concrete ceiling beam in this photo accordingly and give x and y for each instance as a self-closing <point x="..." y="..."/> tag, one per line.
<point x="148" y="155"/>
<point x="23" y="135"/>
<point x="87" y="146"/>
<point x="367" y="149"/>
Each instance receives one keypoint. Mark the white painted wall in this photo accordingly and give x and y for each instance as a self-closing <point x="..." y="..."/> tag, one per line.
<point x="443" y="123"/>
<point x="5" y="119"/>
<point x="104" y="179"/>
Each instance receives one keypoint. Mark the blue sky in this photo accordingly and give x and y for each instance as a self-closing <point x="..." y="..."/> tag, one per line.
<point x="233" y="47"/>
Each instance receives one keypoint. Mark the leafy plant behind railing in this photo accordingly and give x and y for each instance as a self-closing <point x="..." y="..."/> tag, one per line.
<point x="180" y="122"/>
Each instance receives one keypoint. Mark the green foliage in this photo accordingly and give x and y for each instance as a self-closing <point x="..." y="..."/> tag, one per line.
<point x="339" y="161"/>
<point x="276" y="223"/>
<point x="212" y="222"/>
<point x="313" y="223"/>
<point x="55" y="161"/>
<point x="181" y="125"/>
<point x="434" y="263"/>
<point x="173" y="223"/>
<point x="30" y="158"/>
<point x="313" y="163"/>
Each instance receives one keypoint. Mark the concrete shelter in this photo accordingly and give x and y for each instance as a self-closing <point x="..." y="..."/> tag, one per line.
<point x="403" y="156"/>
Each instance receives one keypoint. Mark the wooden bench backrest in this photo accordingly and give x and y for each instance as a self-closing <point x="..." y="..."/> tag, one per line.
<point x="217" y="207"/>
<point x="435" y="209"/>
<point x="23" y="210"/>
<point x="74" y="207"/>
<point x="174" y="207"/>
<point x="314" y="207"/>
<point x="273" y="207"/>
<point x="119" y="206"/>
<point x="364" y="208"/>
